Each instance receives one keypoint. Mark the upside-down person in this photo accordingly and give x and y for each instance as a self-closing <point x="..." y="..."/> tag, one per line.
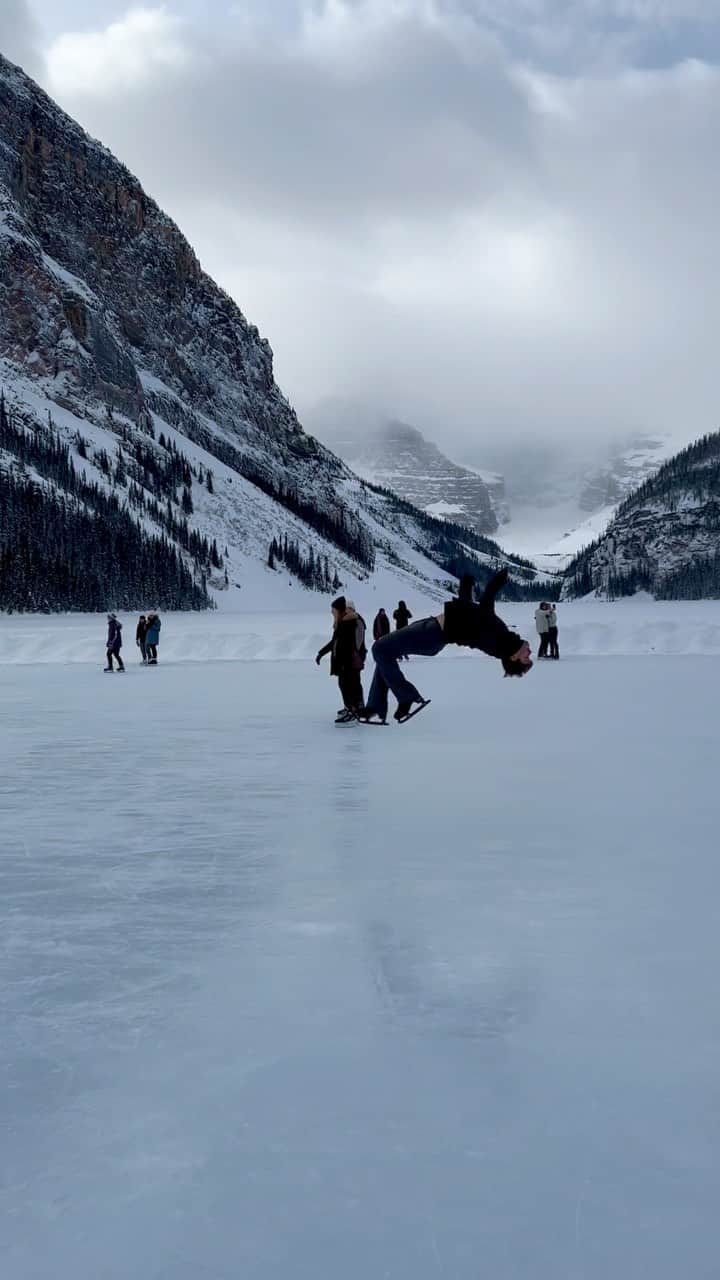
<point x="462" y="622"/>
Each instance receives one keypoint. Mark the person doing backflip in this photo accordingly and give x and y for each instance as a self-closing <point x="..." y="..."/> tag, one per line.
<point x="462" y="622"/>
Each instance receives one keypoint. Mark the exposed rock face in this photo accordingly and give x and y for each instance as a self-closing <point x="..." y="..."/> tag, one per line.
<point x="624" y="471"/>
<point x="397" y="456"/>
<point x="103" y="285"/>
<point x="665" y="537"/>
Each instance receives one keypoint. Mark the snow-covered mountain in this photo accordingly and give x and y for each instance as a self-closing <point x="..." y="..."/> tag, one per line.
<point x="120" y="354"/>
<point x="562" y="497"/>
<point x="395" y="455"/>
<point x="664" y="538"/>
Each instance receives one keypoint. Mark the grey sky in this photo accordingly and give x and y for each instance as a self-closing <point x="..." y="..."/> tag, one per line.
<point x="496" y="218"/>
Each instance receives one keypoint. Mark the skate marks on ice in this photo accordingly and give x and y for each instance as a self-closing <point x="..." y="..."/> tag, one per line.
<point x="435" y="991"/>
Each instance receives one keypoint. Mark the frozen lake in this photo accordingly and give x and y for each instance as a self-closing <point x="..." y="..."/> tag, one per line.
<point x="284" y="1000"/>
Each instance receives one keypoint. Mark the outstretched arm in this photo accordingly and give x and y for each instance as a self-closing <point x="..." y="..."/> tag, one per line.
<point x="494" y="585"/>
<point x="321" y="652"/>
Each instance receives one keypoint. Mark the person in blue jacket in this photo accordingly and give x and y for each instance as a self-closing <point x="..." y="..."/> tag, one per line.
<point x="152" y="638"/>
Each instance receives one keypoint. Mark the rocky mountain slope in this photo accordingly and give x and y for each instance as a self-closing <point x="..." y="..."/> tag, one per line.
<point x="120" y="353"/>
<point x="397" y="456"/>
<point x="664" y="538"/>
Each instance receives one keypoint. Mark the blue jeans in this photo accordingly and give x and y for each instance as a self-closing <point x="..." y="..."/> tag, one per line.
<point x="424" y="638"/>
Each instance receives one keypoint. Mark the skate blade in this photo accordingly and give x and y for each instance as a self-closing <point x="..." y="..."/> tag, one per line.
<point x="421" y="707"/>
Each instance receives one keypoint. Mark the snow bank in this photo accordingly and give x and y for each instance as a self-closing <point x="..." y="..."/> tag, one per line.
<point x="588" y="628"/>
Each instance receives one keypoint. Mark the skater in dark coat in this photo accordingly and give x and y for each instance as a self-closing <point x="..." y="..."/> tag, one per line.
<point x="402" y="616"/>
<point x="381" y="625"/>
<point x="140" y="635"/>
<point x="462" y="622"/>
<point x="347" y="650"/>
<point x="152" y="638"/>
<point x="114" y="643"/>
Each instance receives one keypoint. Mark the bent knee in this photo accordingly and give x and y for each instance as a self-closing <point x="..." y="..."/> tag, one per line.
<point x="378" y="647"/>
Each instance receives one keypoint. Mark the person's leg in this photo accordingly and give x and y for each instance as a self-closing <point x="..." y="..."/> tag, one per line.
<point x="424" y="639"/>
<point x="108" y="654"/>
<point x="347" y="689"/>
<point x="542" y="651"/>
<point x="355" y="690"/>
<point x="121" y="665"/>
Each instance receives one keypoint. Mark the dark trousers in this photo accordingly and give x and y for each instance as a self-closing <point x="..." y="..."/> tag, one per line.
<point x="151" y="652"/>
<point x="553" y="640"/>
<point x="544" y="641"/>
<point x="351" y="690"/>
<point x="143" y="649"/>
<point x="114" y="653"/>
<point x="424" y="638"/>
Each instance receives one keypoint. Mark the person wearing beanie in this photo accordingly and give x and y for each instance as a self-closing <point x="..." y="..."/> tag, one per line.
<point x="462" y="622"/>
<point x="348" y="653"/>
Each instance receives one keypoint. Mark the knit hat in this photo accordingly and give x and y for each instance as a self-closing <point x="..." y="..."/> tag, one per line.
<point x="340" y="604"/>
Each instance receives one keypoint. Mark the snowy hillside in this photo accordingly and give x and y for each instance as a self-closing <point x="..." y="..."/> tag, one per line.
<point x="562" y="498"/>
<point x="664" y="538"/>
<point x="116" y="348"/>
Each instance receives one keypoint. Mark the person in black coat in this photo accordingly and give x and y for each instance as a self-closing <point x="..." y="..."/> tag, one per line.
<point x="347" y="649"/>
<point x="140" y="635"/>
<point x="114" y="643"/>
<point x="381" y="625"/>
<point x="462" y="622"/>
<point x="402" y="615"/>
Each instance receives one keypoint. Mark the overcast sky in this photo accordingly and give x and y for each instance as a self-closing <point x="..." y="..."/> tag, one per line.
<point x="489" y="217"/>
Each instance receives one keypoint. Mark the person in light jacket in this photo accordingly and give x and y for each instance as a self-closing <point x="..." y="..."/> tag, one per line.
<point x="553" y="632"/>
<point x="543" y="628"/>
<point x="152" y="638"/>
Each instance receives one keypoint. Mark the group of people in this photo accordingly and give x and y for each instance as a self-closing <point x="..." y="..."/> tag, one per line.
<point x="147" y="639"/>
<point x="348" y="650"/>
<point x="463" y="621"/>
<point x="547" y="629"/>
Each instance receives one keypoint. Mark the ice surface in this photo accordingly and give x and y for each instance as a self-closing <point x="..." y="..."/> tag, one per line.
<point x="286" y="1000"/>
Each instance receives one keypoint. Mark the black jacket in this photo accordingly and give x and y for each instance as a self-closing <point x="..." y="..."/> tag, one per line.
<point x="477" y="625"/>
<point x="343" y="645"/>
<point x="402" y="618"/>
<point x="141" y="632"/>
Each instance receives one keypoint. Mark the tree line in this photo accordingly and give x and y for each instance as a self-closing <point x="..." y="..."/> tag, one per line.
<point x="311" y="569"/>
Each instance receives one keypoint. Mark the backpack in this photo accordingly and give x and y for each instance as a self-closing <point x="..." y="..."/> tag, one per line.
<point x="359" y="651"/>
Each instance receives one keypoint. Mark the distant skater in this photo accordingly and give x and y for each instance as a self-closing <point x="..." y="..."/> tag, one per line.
<point x="462" y="622"/>
<point x="553" y="632"/>
<point x="542" y="625"/>
<point x="140" y="635"/>
<point x="114" y="643"/>
<point x="152" y="638"/>
<point x="381" y="625"/>
<point x="402" y="616"/>
<point x="348" y="652"/>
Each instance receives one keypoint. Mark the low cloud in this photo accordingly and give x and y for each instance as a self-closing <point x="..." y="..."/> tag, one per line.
<point x="423" y="213"/>
<point x="19" y="36"/>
